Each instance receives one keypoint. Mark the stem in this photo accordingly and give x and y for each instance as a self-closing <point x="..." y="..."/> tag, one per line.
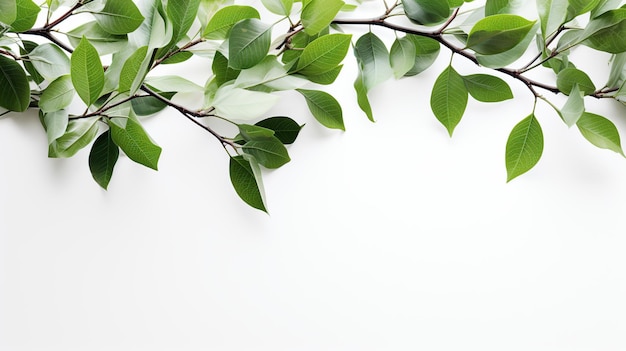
<point x="449" y="21"/>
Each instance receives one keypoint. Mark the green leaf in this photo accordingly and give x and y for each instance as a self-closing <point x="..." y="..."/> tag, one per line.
<point x="149" y="105"/>
<point x="449" y="98"/>
<point x="26" y="16"/>
<point x="87" y="72"/>
<point x="55" y="123"/>
<point x="361" y="95"/>
<point x="487" y="88"/>
<point x="552" y="14"/>
<point x="269" y="152"/>
<point x="604" y="6"/>
<point x="119" y="17"/>
<point x="506" y="58"/>
<point x="402" y="56"/>
<point x="373" y="59"/>
<point x="426" y="12"/>
<point x="524" y="147"/>
<point x="181" y="14"/>
<point x="29" y="46"/>
<point x="567" y="78"/>
<point x="494" y="7"/>
<point x="279" y="7"/>
<point x="318" y="14"/>
<point x="223" y="73"/>
<point x="579" y="7"/>
<point x="324" y="108"/>
<point x="50" y="61"/>
<point x="224" y="19"/>
<point x="130" y="136"/>
<point x="79" y="133"/>
<point x="102" y="158"/>
<point x="249" y="43"/>
<point x="610" y="35"/>
<point x="270" y="74"/>
<point x="498" y="33"/>
<point x="58" y="95"/>
<point x="285" y="128"/>
<point x="8" y="11"/>
<point x="154" y="31"/>
<point x="178" y="57"/>
<point x="105" y="42"/>
<point x="574" y="107"/>
<point x="14" y="87"/>
<point x="323" y="54"/>
<point x="253" y="132"/>
<point x="242" y="104"/>
<point x="134" y="71"/>
<point x="600" y="132"/>
<point x="326" y="77"/>
<point x="426" y="52"/>
<point x="246" y="182"/>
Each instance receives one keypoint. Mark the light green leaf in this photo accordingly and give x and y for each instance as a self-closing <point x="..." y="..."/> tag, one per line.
<point x="249" y="43"/>
<point x="269" y="73"/>
<point x="494" y="7"/>
<point x="324" y="108"/>
<point x="600" y="132"/>
<point x="50" y="61"/>
<point x="498" y="33"/>
<point x="119" y="16"/>
<point x="102" y="159"/>
<point x="55" y="123"/>
<point x="246" y="182"/>
<point x="574" y="106"/>
<point x="604" y="6"/>
<point x="134" y="71"/>
<point x="285" y="128"/>
<point x="318" y="14"/>
<point x="323" y="54"/>
<point x="181" y="14"/>
<point x="487" y="88"/>
<point x="79" y="133"/>
<point x="552" y="14"/>
<point x="58" y="95"/>
<point x="567" y="78"/>
<point x="618" y="70"/>
<point x="26" y="17"/>
<point x="373" y="59"/>
<point x="242" y="104"/>
<point x="402" y="56"/>
<point x="361" y="95"/>
<point x="14" y="87"/>
<point x="524" y="147"/>
<point x="129" y="135"/>
<point x="8" y="11"/>
<point x="270" y="152"/>
<point x="426" y="52"/>
<point x="279" y="7"/>
<point x="105" y="42"/>
<point x="449" y="98"/>
<point x="87" y="72"/>
<point x="154" y="32"/>
<point x="224" y="19"/>
<point x="173" y="83"/>
<point x="426" y="12"/>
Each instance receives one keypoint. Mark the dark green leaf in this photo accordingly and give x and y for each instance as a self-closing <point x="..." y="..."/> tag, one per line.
<point x="30" y="68"/>
<point x="181" y="14"/>
<point x="249" y="43"/>
<point x="324" y="108"/>
<point x="269" y="152"/>
<point x="600" y="132"/>
<point x="148" y="105"/>
<point x="14" y="87"/>
<point x="498" y="33"/>
<point x="449" y="98"/>
<point x="524" y="147"/>
<point x="426" y="12"/>
<point x="130" y="136"/>
<point x="246" y="182"/>
<point x="26" y="17"/>
<point x="318" y="14"/>
<point x="119" y="16"/>
<point x="223" y="73"/>
<point x="285" y="128"/>
<point x="567" y="78"/>
<point x="253" y="132"/>
<point x="102" y="158"/>
<point x="224" y="19"/>
<point x="87" y="72"/>
<point x="487" y="88"/>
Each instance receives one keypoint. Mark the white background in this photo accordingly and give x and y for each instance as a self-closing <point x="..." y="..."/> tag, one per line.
<point x="390" y="236"/>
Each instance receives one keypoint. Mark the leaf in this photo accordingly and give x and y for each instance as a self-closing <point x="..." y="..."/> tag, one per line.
<point x="373" y="60"/>
<point x="26" y="15"/>
<point x="134" y="71"/>
<point x="579" y="7"/>
<point x="426" y="12"/>
<point x="55" y="123"/>
<point x="324" y="108"/>
<point x="567" y="78"/>
<point x="130" y="136"/>
<point x="494" y="7"/>
<point x="102" y="158"/>
<point x="173" y="83"/>
<point x="50" y="61"/>
<point x="58" y="95"/>
<point x="149" y="105"/>
<point x="87" y="72"/>
<point x="253" y="132"/>
<point x="318" y="14"/>
<point x="426" y="52"/>
<point x="249" y="43"/>
<point x="524" y="147"/>
<point x="326" y="77"/>
<point x="79" y="133"/>
<point x="242" y="104"/>
<point x="609" y="38"/>
<point x="279" y="7"/>
<point x="8" y="11"/>
<point x="181" y="14"/>
<point x="14" y="87"/>
<point x="29" y="46"/>
<point x="224" y="19"/>
<point x="285" y="128"/>
<point x="246" y="182"/>
<point x="270" y="152"/>
<point x="154" y="32"/>
<point x="506" y="58"/>
<point x="574" y="107"/>
<point x="487" y="88"/>
<point x="449" y="98"/>
<point x="178" y="57"/>
<point x="362" y="99"/>
<point x="600" y="132"/>
<point x="552" y="14"/>
<point x="323" y="54"/>
<point x="223" y="73"/>
<point x="498" y="33"/>
<point x="402" y="56"/>
<point x="104" y="42"/>
<point x="119" y="17"/>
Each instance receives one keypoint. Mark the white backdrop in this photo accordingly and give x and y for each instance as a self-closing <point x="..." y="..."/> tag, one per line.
<point x="390" y="236"/>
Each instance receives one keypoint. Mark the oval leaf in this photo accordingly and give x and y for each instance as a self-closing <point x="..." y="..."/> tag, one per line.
<point x="373" y="59"/>
<point x="324" y="108"/>
<point x="402" y="56"/>
<point x="249" y="43"/>
<point x="524" y="147"/>
<point x="426" y="12"/>
<point x="26" y="16"/>
<point x="323" y="54"/>
<point x="318" y="14"/>
<point x="569" y="77"/>
<point x="14" y="87"/>
<point x="87" y="72"/>
<point x="119" y="16"/>
<point x="449" y="98"/>
<point x="58" y="95"/>
<point x="486" y="88"/>
<point x="269" y="152"/>
<point x="285" y="128"/>
<point x="498" y="33"/>
<point x="247" y="182"/>
<point x="600" y="132"/>
<point x="224" y="19"/>
<point x="130" y="136"/>
<point x="102" y="158"/>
